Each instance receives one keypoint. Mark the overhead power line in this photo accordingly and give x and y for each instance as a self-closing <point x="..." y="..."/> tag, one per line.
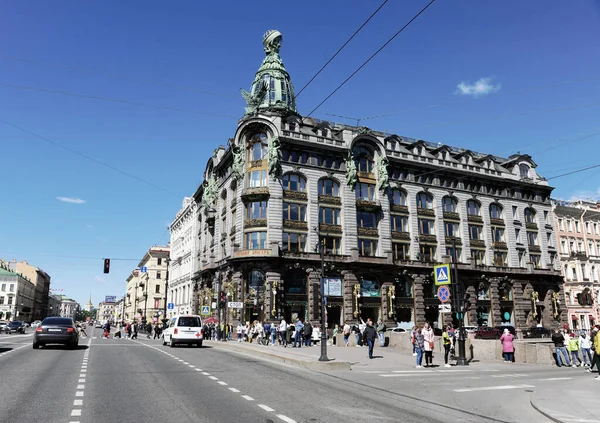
<point x="573" y="172"/>
<point x="114" y="100"/>
<point x="90" y="158"/>
<point x="114" y="75"/>
<point x="341" y="48"/>
<point x="372" y="57"/>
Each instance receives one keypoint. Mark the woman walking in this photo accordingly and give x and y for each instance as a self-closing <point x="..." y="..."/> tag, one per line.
<point x="508" y="347"/>
<point x="429" y="338"/>
<point x="447" y="344"/>
<point x="419" y="344"/>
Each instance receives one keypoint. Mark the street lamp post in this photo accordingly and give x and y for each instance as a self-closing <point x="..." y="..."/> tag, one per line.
<point x="323" y="341"/>
<point x="145" y="319"/>
<point x="168" y="260"/>
<point x="462" y="359"/>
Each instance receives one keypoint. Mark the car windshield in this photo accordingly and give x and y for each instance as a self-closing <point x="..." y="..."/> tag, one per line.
<point x="57" y="321"/>
<point x="189" y="321"/>
<point x="14" y="324"/>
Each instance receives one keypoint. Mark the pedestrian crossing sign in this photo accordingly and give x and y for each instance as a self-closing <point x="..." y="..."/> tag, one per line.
<point x="442" y="274"/>
<point x="205" y="310"/>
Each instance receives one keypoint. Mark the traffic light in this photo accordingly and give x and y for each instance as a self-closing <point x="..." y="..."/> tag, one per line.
<point x="106" y="265"/>
<point x="222" y="299"/>
<point x="467" y="302"/>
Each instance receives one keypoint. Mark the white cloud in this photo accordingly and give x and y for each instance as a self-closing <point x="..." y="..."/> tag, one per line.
<point x="585" y="196"/>
<point x="99" y="279"/>
<point x="71" y="200"/>
<point x="481" y="87"/>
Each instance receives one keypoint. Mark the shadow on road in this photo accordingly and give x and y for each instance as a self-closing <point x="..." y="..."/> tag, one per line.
<point x="63" y="347"/>
<point x="3" y="350"/>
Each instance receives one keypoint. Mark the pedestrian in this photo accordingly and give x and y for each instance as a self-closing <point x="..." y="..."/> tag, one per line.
<point x="299" y="328"/>
<point x="559" y="348"/>
<point x="413" y="332"/>
<point x="574" y="350"/>
<point x="419" y="345"/>
<point x="586" y="346"/>
<point x="346" y="332"/>
<point x="82" y="332"/>
<point x="238" y="331"/>
<point x="148" y="330"/>
<point x="157" y="331"/>
<point x="447" y="344"/>
<point x="356" y="331"/>
<point x="429" y="345"/>
<point x="370" y="335"/>
<point x="273" y="330"/>
<point x="336" y="330"/>
<point x="508" y="347"/>
<point x="283" y="332"/>
<point x="308" y="331"/>
<point x="134" y="330"/>
<point x="597" y="349"/>
<point x="592" y="338"/>
<point x="381" y="328"/>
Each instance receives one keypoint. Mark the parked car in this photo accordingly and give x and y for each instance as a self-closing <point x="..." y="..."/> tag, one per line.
<point x="185" y="329"/>
<point x="35" y="323"/>
<point x="471" y="329"/>
<point x="3" y="325"/>
<point x="56" y="330"/>
<point x="15" y="327"/>
<point x="537" y="332"/>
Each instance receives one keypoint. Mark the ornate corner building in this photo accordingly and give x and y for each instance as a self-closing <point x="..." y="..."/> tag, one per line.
<point x="578" y="231"/>
<point x="384" y="208"/>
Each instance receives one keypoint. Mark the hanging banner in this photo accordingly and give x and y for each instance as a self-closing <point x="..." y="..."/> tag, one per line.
<point x="370" y="288"/>
<point x="332" y="287"/>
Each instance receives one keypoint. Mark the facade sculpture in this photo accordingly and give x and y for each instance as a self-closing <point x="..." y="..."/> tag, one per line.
<point x="274" y="157"/>
<point x="237" y="168"/>
<point x="383" y="181"/>
<point x="351" y="173"/>
<point x="210" y="192"/>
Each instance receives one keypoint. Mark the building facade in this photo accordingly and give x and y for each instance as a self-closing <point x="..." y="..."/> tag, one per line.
<point x="184" y="260"/>
<point x="146" y="286"/>
<point x="41" y="281"/>
<point x="54" y="305"/>
<point x="383" y="209"/>
<point x="106" y="312"/>
<point x="68" y="307"/>
<point x="17" y="296"/>
<point x="577" y="226"/>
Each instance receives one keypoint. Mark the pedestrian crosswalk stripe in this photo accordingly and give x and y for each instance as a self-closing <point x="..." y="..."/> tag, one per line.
<point x="493" y="388"/>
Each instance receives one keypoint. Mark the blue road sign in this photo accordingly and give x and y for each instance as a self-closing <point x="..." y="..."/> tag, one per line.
<point x="205" y="310"/>
<point x="171" y="306"/>
<point x="143" y="269"/>
<point x="442" y="274"/>
<point x="443" y="293"/>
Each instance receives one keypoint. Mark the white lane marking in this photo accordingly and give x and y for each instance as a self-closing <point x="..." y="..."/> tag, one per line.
<point x="247" y="398"/>
<point x="266" y="408"/>
<point x="510" y="375"/>
<point x="213" y="377"/>
<point x="83" y="370"/>
<point x="81" y="380"/>
<point x="78" y="402"/>
<point x="80" y="386"/>
<point x="178" y="359"/>
<point x="222" y="383"/>
<point x="234" y="390"/>
<point x="557" y="378"/>
<point x="79" y="393"/>
<point x="191" y="365"/>
<point x="206" y="373"/>
<point x="82" y="375"/>
<point x="286" y="418"/>
<point x="493" y="388"/>
<point x="185" y="362"/>
<point x="198" y="370"/>
<point x="76" y="412"/>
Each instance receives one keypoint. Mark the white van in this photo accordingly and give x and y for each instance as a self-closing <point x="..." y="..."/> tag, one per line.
<point x="184" y="329"/>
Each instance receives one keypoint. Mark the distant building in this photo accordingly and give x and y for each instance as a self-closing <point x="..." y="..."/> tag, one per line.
<point x="89" y="306"/>
<point x="106" y="312"/>
<point x="577" y="226"/>
<point x="17" y="295"/>
<point x="183" y="264"/>
<point x="41" y="281"/>
<point x="146" y="286"/>
<point x="54" y="305"/>
<point x="68" y="307"/>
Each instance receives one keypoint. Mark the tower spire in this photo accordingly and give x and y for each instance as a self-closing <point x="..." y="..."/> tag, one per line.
<point x="272" y="87"/>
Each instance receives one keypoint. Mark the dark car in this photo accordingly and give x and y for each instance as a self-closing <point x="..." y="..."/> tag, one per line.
<point x="537" y="333"/>
<point x="15" y="326"/>
<point x="56" y="330"/>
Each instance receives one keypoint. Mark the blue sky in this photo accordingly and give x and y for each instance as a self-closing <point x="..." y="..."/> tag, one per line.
<point x="464" y="73"/>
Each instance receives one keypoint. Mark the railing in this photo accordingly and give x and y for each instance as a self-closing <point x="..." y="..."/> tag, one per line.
<point x="398" y="208"/>
<point x="329" y="199"/>
<point x="295" y="195"/>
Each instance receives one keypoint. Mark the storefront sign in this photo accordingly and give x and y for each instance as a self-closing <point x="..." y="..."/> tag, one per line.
<point x="370" y="288"/>
<point x="252" y="253"/>
<point x="333" y="286"/>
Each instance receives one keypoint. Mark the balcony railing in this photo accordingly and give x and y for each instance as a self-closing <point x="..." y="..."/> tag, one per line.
<point x="477" y="243"/>
<point x="326" y="228"/>
<point x="427" y="238"/>
<point x="535" y="248"/>
<point x="329" y="199"/>
<point x="398" y="208"/>
<point x="399" y="235"/>
<point x="255" y="223"/>
<point x="531" y="225"/>
<point x="257" y="193"/>
<point x="448" y="215"/>
<point x="367" y="175"/>
<point x="425" y="212"/>
<point x="500" y="245"/>
<point x="295" y="224"/>
<point x="449" y="240"/>
<point x="475" y="218"/>
<point x="367" y="205"/>
<point x="497" y="221"/>
<point x="295" y="195"/>
<point x="367" y="231"/>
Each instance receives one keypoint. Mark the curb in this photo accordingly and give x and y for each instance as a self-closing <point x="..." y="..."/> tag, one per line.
<point x="333" y="365"/>
<point x="542" y="412"/>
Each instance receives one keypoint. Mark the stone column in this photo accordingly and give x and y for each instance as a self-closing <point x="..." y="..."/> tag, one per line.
<point x="349" y="281"/>
<point x="313" y="277"/>
<point x="495" y="302"/>
<point x="520" y="303"/>
<point x="238" y="284"/>
<point x="472" y="320"/>
<point x="419" y="301"/>
<point x="270" y="297"/>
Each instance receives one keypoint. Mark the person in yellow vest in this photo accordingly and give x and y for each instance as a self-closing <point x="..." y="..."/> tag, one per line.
<point x="597" y="350"/>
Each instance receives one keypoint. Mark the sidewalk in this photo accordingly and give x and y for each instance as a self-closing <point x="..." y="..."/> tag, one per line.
<point x="569" y="401"/>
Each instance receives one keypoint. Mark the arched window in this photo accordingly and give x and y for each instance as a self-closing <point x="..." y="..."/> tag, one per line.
<point x="257" y="147"/>
<point x="293" y="182"/>
<point x="524" y="170"/>
<point x="529" y="215"/>
<point x="363" y="157"/>
<point x="450" y="204"/>
<point x="496" y="211"/>
<point x="256" y="282"/>
<point x="398" y="197"/>
<point x="329" y="187"/>
<point x="473" y="208"/>
<point x="424" y="201"/>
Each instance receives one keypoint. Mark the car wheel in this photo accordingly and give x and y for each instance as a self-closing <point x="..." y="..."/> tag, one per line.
<point x="36" y="345"/>
<point x="200" y="344"/>
<point x="171" y="343"/>
<point x="164" y="342"/>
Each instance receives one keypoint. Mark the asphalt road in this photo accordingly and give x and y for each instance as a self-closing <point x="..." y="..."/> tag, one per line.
<point x="121" y="380"/>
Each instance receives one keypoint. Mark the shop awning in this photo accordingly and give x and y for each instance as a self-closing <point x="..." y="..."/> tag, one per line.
<point x="573" y="317"/>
